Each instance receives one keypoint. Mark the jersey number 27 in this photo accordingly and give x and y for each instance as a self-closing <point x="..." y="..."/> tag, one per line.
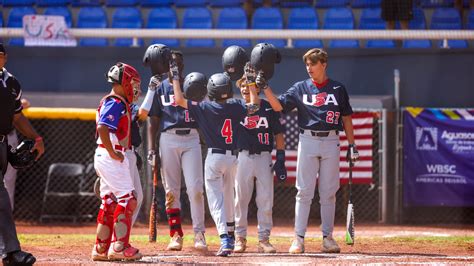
<point x="226" y="131"/>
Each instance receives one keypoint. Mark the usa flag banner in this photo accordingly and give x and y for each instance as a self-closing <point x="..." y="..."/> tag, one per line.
<point x="362" y="172"/>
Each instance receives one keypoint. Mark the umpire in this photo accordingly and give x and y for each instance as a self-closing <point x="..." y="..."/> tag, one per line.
<point x="11" y="116"/>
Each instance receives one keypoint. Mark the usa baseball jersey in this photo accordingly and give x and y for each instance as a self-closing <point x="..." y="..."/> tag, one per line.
<point x="319" y="108"/>
<point x="171" y="115"/>
<point x="112" y="113"/>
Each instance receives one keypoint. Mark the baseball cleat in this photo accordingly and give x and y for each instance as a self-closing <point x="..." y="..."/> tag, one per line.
<point x="200" y="242"/>
<point x="265" y="247"/>
<point x="227" y="246"/>
<point x="98" y="256"/>
<point x="176" y="243"/>
<point x="297" y="246"/>
<point x="128" y="253"/>
<point x="330" y="245"/>
<point x="240" y="245"/>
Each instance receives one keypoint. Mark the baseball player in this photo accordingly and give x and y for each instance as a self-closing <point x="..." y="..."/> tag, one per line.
<point x="219" y="121"/>
<point x="133" y="158"/>
<point x="255" y="164"/>
<point x="117" y="189"/>
<point x="323" y="110"/>
<point x="180" y="151"/>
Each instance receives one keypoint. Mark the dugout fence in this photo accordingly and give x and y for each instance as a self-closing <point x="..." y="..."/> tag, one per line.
<point x="70" y="138"/>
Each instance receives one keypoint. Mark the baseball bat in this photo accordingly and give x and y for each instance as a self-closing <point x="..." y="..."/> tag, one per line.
<point x="154" y="204"/>
<point x="350" y="210"/>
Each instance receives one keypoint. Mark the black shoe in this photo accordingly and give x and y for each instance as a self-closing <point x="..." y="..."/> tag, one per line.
<point x="19" y="258"/>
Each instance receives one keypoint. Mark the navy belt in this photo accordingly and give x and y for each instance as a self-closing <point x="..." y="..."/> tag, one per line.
<point x="221" y="151"/>
<point x="182" y="131"/>
<point x="3" y="138"/>
<point x="317" y="133"/>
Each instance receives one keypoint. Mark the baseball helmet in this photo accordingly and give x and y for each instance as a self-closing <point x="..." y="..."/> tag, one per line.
<point x="219" y="87"/>
<point x="233" y="61"/>
<point x="264" y="56"/>
<point x="128" y="77"/>
<point x="21" y="157"/>
<point x="195" y="86"/>
<point x="157" y="57"/>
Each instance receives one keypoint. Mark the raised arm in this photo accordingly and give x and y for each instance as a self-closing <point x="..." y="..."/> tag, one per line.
<point x="178" y="94"/>
<point x="263" y="85"/>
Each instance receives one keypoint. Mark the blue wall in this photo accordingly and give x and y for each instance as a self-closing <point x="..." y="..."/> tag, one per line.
<point x="429" y="78"/>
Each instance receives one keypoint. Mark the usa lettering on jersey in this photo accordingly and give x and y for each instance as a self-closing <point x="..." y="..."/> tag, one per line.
<point x="255" y="121"/>
<point x="319" y="99"/>
<point x="168" y="102"/>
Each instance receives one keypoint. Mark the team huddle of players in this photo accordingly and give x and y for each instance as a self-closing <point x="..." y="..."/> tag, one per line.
<point x="239" y="135"/>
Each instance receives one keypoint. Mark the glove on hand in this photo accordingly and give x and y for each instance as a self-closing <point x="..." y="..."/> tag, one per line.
<point x="174" y="69"/>
<point x="155" y="82"/>
<point x="352" y="153"/>
<point x="261" y="81"/>
<point x="151" y="157"/>
<point x="279" y="166"/>
<point x="249" y="73"/>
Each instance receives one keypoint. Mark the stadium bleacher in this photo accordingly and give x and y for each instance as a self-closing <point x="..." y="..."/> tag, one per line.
<point x="230" y="14"/>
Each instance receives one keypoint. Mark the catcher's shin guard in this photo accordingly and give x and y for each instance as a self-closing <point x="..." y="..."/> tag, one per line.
<point x="174" y="220"/>
<point x="122" y="221"/>
<point x="105" y="224"/>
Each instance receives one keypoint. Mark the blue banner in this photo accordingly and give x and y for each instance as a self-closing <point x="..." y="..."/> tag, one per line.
<point x="438" y="157"/>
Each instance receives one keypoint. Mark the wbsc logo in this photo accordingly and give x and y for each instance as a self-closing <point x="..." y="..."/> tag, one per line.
<point x="427" y="138"/>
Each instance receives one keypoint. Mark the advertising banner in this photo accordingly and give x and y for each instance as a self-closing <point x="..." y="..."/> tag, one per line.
<point x="39" y="30"/>
<point x="438" y="157"/>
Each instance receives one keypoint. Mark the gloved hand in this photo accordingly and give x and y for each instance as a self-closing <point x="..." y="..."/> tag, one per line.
<point x="174" y="69"/>
<point x="352" y="153"/>
<point x="279" y="166"/>
<point x="261" y="81"/>
<point x="155" y="82"/>
<point x="249" y="73"/>
<point x="151" y="157"/>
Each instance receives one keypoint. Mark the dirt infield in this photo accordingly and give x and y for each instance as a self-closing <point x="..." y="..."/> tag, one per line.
<point x="71" y="245"/>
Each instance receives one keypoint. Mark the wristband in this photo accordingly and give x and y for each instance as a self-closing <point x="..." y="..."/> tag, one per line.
<point x="148" y="101"/>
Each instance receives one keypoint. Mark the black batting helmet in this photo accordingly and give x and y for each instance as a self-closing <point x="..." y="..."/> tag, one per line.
<point x="157" y="57"/>
<point x="195" y="86"/>
<point x="264" y="56"/>
<point x="21" y="156"/>
<point x="219" y="87"/>
<point x="233" y="61"/>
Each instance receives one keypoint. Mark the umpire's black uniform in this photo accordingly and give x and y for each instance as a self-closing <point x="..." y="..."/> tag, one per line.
<point x="10" y="104"/>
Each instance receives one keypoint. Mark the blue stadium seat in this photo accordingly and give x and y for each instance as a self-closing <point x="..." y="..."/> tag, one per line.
<point x="198" y="18"/>
<point x="15" y="20"/>
<point x="127" y="17"/>
<point x="156" y="3"/>
<point x="53" y="2"/>
<point x="304" y="18"/>
<point x="163" y="18"/>
<point x="296" y="3"/>
<point x="92" y="17"/>
<point x="259" y="3"/>
<point x="269" y="18"/>
<point x="340" y="18"/>
<point x="417" y="23"/>
<point x="190" y="3"/>
<point x="370" y="20"/>
<point x="437" y="3"/>
<point x="84" y="3"/>
<point x="113" y="3"/>
<point x="365" y="3"/>
<point x="7" y="3"/>
<point x="448" y="19"/>
<point x="331" y="3"/>
<point x="225" y="3"/>
<point x="233" y="18"/>
<point x="470" y="20"/>
<point x="60" y="11"/>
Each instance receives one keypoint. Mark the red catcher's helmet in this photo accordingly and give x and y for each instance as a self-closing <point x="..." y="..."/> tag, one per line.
<point x="128" y="77"/>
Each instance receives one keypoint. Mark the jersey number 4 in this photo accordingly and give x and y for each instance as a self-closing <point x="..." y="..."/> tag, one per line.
<point x="332" y="117"/>
<point x="226" y="131"/>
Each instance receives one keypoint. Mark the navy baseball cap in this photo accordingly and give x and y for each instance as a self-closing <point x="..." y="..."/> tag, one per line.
<point x="2" y="49"/>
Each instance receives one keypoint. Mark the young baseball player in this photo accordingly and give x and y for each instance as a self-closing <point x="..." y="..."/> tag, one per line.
<point x="323" y="110"/>
<point x="255" y="165"/>
<point x="180" y="151"/>
<point x="133" y="158"/>
<point x="117" y="190"/>
<point x="219" y="121"/>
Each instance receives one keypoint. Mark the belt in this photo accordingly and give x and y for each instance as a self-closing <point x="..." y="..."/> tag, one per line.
<point x="3" y="138"/>
<point x="117" y="147"/>
<point x="221" y="151"/>
<point x="254" y="152"/>
<point x="179" y="131"/>
<point x="318" y="133"/>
